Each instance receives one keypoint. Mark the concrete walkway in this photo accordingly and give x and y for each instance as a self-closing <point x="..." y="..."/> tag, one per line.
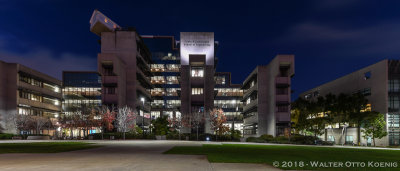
<point x="121" y="155"/>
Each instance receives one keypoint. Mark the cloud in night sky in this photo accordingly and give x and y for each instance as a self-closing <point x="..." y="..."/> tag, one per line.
<point x="371" y="40"/>
<point x="50" y="63"/>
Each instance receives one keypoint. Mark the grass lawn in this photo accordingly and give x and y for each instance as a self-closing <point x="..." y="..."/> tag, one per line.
<point x="290" y="156"/>
<point x="44" y="147"/>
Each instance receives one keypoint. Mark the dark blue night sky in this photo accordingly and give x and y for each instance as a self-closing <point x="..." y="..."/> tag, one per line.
<point x="328" y="38"/>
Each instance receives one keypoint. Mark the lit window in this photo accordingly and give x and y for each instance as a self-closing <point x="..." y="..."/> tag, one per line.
<point x="219" y="79"/>
<point x="196" y="91"/>
<point x="248" y="100"/>
<point x="252" y="83"/>
<point x="197" y="72"/>
<point x="172" y="80"/>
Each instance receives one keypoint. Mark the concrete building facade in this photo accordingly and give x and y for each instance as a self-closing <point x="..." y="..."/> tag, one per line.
<point x="380" y="85"/>
<point x="24" y="91"/>
<point x="178" y="78"/>
<point x="123" y="64"/>
<point x="266" y="98"/>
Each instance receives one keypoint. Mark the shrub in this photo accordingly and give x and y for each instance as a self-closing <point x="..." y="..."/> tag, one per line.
<point x="281" y="139"/>
<point x="4" y="136"/>
<point x="24" y="136"/>
<point x="160" y="125"/>
<point x="301" y="139"/>
<point x="255" y="139"/>
<point x="267" y="137"/>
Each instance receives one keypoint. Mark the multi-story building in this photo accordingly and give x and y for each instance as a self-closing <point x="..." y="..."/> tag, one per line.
<point x="229" y="98"/>
<point x="266" y="98"/>
<point x="179" y="78"/>
<point x="123" y="64"/>
<point x="198" y="63"/>
<point x="81" y="93"/>
<point x="24" y="91"/>
<point x="81" y="90"/>
<point x="166" y="74"/>
<point x="380" y="85"/>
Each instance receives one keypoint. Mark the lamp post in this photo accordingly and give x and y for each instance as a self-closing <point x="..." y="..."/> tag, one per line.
<point x="142" y="99"/>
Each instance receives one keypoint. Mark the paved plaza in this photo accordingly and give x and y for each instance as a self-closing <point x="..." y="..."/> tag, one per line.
<point x="121" y="155"/>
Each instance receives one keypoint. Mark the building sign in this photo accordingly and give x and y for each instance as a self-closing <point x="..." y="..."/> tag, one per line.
<point x="197" y="43"/>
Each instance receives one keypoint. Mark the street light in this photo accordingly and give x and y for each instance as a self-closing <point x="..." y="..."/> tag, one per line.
<point x="142" y="99"/>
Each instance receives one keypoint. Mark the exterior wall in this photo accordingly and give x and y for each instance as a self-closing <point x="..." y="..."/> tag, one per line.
<point x="197" y="50"/>
<point x="8" y="95"/>
<point x="124" y="66"/>
<point x="11" y="87"/>
<point x="268" y="118"/>
<point x="120" y="48"/>
<point x="266" y="104"/>
<point x="339" y="139"/>
<point x="356" y="81"/>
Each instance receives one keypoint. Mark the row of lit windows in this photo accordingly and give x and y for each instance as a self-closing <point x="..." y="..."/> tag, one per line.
<point x="227" y="103"/>
<point x="34" y="97"/>
<point x="36" y="112"/>
<point x="393" y="120"/>
<point x="169" y="103"/>
<point x="164" y="68"/>
<point x="197" y="72"/>
<point x="82" y="91"/>
<point x="82" y="102"/>
<point x="162" y="92"/>
<point x="38" y="83"/>
<point x="229" y="91"/>
<point x="163" y="80"/>
<point x="197" y="91"/>
<point x="68" y="104"/>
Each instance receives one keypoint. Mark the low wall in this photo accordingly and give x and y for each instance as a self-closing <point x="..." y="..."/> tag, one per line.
<point x="38" y="138"/>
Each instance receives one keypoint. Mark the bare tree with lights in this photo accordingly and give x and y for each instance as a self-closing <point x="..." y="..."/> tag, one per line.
<point x="125" y="119"/>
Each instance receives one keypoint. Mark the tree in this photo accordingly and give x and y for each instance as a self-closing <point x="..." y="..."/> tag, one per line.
<point x="374" y="126"/>
<point x="88" y="119"/>
<point x="160" y="125"/>
<point x="108" y="117"/>
<point x="309" y="116"/>
<point x="299" y="115"/>
<point x="1" y="126"/>
<point x="38" y="123"/>
<point x="176" y="123"/>
<point x="358" y="112"/>
<point x="125" y="119"/>
<point x="217" y="120"/>
<point x="21" y="122"/>
<point x="195" y="120"/>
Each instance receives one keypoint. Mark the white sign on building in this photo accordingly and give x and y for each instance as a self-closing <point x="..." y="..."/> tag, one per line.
<point x="197" y="43"/>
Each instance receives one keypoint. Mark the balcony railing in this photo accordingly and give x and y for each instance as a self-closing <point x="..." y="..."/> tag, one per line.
<point x="143" y="90"/>
<point x="39" y="104"/>
<point x="40" y="89"/>
<point x="252" y="104"/>
<point x="250" y="90"/>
